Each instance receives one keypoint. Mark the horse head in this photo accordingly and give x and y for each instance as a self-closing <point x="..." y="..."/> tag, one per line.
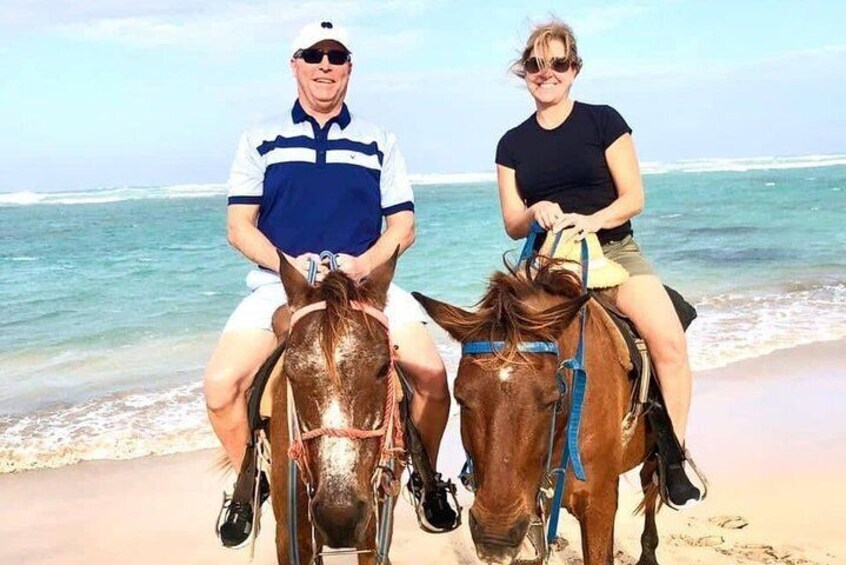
<point x="338" y="363"/>
<point x="507" y="397"/>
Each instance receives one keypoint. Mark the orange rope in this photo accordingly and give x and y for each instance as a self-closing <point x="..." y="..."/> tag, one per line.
<point x="297" y="449"/>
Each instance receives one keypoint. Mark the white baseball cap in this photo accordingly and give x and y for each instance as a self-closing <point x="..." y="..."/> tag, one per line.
<point x="313" y="33"/>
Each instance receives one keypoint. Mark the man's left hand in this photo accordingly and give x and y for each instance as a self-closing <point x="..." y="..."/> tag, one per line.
<point x="356" y="268"/>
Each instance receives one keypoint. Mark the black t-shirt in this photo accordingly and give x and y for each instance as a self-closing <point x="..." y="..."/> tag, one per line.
<point x="566" y="165"/>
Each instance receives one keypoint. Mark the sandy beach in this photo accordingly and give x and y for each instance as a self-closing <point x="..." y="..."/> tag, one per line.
<point x="768" y="433"/>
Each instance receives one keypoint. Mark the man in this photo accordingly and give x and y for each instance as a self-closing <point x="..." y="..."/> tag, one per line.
<point x="320" y="179"/>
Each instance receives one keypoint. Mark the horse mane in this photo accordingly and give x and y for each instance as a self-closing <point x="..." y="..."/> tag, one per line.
<point x="339" y="292"/>
<point x="512" y="309"/>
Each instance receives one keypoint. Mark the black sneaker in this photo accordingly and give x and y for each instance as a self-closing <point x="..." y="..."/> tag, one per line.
<point x="677" y="491"/>
<point x="235" y="521"/>
<point x="434" y="512"/>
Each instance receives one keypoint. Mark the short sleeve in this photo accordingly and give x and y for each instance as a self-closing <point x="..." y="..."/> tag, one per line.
<point x="393" y="182"/>
<point x="246" y="178"/>
<point x="613" y="126"/>
<point x="505" y="152"/>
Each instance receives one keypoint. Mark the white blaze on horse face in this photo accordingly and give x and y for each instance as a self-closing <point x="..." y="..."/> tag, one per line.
<point x="338" y="455"/>
<point x="505" y="373"/>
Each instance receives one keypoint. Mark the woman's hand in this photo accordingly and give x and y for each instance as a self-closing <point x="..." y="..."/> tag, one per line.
<point x="577" y="226"/>
<point x="547" y="214"/>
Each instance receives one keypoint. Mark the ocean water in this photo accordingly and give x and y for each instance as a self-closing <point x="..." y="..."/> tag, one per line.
<point x="112" y="299"/>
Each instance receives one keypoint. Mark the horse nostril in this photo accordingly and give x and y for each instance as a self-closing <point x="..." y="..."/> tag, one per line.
<point x="497" y="535"/>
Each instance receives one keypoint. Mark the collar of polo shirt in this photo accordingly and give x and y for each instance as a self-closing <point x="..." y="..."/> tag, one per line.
<point x="298" y="114"/>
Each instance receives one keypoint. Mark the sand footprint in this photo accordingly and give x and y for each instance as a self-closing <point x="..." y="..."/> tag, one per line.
<point x="700" y="541"/>
<point x="729" y="522"/>
<point x="763" y="553"/>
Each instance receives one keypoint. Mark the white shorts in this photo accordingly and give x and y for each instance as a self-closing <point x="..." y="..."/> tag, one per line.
<point x="255" y="312"/>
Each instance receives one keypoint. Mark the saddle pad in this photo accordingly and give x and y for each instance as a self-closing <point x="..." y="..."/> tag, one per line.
<point x="266" y="403"/>
<point x="255" y="394"/>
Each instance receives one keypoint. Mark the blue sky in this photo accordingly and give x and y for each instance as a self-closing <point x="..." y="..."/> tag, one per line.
<point x="100" y="93"/>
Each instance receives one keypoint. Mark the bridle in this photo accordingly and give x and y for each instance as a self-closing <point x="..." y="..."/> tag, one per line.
<point x="570" y="452"/>
<point x="385" y="481"/>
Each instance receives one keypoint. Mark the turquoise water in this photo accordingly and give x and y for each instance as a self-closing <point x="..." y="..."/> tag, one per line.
<point x="112" y="300"/>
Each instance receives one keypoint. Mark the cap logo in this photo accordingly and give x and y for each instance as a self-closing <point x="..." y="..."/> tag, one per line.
<point x="326" y="25"/>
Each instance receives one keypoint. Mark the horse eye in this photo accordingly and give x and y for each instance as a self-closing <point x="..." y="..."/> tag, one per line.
<point x="383" y="372"/>
<point x="550" y="401"/>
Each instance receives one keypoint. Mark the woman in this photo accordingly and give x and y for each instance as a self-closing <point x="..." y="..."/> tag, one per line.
<point x="573" y="166"/>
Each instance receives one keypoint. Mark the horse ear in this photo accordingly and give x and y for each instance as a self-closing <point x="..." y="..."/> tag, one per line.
<point x="457" y="322"/>
<point x="380" y="278"/>
<point x="296" y="286"/>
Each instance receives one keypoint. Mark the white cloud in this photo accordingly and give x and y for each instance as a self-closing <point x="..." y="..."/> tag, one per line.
<point x="606" y="18"/>
<point x="197" y="25"/>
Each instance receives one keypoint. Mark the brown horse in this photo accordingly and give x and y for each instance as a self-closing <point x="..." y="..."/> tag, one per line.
<point x="338" y="368"/>
<point x="507" y="402"/>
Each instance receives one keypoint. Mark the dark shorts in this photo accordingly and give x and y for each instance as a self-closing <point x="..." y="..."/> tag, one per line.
<point x="627" y="253"/>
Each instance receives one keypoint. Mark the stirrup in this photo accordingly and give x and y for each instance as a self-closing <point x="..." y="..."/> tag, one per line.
<point x="659" y="478"/>
<point x="467" y="477"/>
<point x="419" y="511"/>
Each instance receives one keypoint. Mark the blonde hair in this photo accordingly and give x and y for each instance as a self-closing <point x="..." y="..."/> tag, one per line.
<point x="538" y="43"/>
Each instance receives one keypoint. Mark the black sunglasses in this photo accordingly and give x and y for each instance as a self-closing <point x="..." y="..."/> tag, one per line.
<point x="314" y="56"/>
<point x="557" y="64"/>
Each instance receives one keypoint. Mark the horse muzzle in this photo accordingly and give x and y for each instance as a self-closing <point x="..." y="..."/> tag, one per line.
<point x="496" y="542"/>
<point x="341" y="520"/>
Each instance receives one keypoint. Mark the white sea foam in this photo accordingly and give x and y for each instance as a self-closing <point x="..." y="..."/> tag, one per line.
<point x="110" y="195"/>
<point x="743" y="164"/>
<point x="451" y="178"/>
<point x="115" y="427"/>
<point x="120" y="194"/>
<point x="736" y="326"/>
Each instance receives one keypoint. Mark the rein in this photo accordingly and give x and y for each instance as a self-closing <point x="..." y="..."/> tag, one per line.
<point x="385" y="480"/>
<point x="570" y="452"/>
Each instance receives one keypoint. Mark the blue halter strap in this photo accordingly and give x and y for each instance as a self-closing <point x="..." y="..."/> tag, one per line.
<point x="483" y="347"/>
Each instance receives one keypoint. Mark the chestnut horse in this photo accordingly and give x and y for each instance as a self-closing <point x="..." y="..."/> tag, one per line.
<point x="508" y="398"/>
<point x="338" y="385"/>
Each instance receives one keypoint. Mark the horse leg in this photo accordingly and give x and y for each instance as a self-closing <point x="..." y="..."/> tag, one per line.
<point x="280" y="509"/>
<point x="596" y="512"/>
<point x="649" y="538"/>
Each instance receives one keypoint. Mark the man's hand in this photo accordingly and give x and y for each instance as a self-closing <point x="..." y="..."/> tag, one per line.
<point x="356" y="268"/>
<point x="303" y="265"/>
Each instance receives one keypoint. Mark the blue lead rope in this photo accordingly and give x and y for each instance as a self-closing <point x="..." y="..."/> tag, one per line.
<point x="529" y="246"/>
<point x="570" y="453"/>
<point x="313" y="265"/>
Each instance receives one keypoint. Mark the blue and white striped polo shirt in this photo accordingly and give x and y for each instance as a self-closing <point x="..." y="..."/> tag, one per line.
<point x="320" y="188"/>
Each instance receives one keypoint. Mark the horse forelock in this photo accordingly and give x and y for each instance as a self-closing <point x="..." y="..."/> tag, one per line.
<point x="340" y="292"/>
<point x="515" y="307"/>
